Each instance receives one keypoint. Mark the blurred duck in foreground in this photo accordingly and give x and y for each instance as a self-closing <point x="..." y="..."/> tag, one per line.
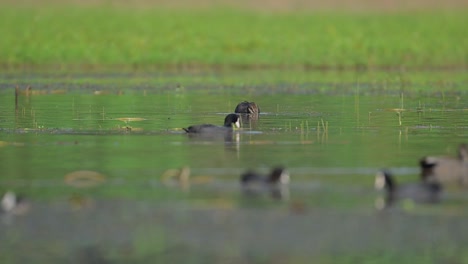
<point x="178" y="177"/>
<point x="274" y="182"/>
<point x="230" y="121"/>
<point x="13" y="204"/>
<point x="446" y="170"/>
<point x="418" y="192"/>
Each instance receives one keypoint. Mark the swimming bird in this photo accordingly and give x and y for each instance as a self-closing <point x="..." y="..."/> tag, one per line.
<point x="14" y="204"/>
<point x="278" y="175"/>
<point x="446" y="170"/>
<point x="231" y="120"/>
<point x="248" y="112"/>
<point x="246" y="107"/>
<point x="419" y="192"/>
<point x="274" y="182"/>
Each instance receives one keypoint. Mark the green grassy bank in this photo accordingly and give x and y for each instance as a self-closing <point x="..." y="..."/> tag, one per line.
<point x="113" y="37"/>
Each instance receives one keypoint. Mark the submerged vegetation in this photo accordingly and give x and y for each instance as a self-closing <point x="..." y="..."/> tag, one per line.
<point x="104" y="37"/>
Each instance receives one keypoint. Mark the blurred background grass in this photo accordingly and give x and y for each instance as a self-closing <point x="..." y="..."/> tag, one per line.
<point x="161" y="34"/>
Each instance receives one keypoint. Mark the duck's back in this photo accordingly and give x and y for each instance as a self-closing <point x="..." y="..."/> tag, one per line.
<point x="206" y="128"/>
<point x="250" y="178"/>
<point x="419" y="192"/>
<point x="444" y="170"/>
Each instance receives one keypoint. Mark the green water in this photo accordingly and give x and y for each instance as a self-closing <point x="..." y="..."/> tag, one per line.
<point x="332" y="137"/>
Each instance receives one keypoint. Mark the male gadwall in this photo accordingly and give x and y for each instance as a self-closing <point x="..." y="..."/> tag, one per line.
<point x="247" y="108"/>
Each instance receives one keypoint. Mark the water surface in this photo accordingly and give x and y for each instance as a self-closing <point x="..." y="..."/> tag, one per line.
<point x="331" y="136"/>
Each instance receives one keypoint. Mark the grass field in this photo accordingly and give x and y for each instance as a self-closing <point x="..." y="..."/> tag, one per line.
<point x="103" y="37"/>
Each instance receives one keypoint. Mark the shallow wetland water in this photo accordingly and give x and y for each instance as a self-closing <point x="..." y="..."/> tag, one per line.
<point x="96" y="158"/>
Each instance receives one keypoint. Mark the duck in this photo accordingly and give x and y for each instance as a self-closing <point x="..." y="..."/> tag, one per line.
<point x="246" y="107"/>
<point x="248" y="112"/>
<point x="274" y="182"/>
<point x="230" y="121"/>
<point x="13" y="204"/>
<point x="418" y="192"/>
<point x="446" y="170"/>
<point x="278" y="175"/>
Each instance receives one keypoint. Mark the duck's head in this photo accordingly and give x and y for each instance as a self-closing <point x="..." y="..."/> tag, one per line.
<point x="384" y="180"/>
<point x="279" y="175"/>
<point x="232" y="120"/>
<point x="9" y="201"/>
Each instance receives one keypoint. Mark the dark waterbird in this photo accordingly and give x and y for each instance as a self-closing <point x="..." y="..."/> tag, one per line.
<point x="247" y="108"/>
<point x="419" y="192"/>
<point x="231" y="120"/>
<point x="446" y="170"/>
<point x="274" y="182"/>
<point x="248" y="112"/>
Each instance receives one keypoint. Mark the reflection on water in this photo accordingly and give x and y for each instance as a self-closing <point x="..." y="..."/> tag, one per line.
<point x="98" y="173"/>
<point x="210" y="229"/>
<point x="249" y="121"/>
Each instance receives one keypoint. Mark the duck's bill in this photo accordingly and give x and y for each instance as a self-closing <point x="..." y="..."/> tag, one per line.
<point x="379" y="181"/>
<point x="284" y="178"/>
<point x="237" y="124"/>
